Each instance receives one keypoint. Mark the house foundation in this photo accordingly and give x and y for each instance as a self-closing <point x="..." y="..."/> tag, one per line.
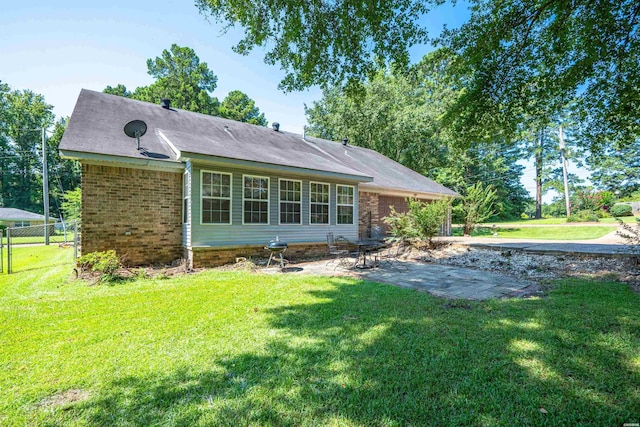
<point x="202" y="257"/>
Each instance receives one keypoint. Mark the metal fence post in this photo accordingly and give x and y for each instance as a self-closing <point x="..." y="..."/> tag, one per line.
<point x="8" y="251"/>
<point x="1" y="251"/>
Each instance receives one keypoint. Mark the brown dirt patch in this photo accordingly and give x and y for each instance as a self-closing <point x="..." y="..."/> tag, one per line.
<point x="65" y="399"/>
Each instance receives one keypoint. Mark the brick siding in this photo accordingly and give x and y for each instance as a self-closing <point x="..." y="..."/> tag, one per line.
<point x="213" y="257"/>
<point x="368" y="211"/>
<point x="137" y="212"/>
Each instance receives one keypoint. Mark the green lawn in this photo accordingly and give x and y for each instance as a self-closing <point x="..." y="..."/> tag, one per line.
<point x="568" y="232"/>
<point x="225" y="348"/>
<point x="552" y="221"/>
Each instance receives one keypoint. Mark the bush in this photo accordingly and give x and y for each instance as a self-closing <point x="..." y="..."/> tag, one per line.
<point x="621" y="210"/>
<point x="583" y="216"/>
<point x="428" y="217"/>
<point x="400" y="224"/>
<point x="423" y="221"/>
<point x="106" y="264"/>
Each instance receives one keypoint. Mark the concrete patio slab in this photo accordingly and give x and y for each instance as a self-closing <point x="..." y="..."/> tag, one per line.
<point x="440" y="280"/>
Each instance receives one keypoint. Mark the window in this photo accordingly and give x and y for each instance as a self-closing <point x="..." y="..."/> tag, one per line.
<point x="319" y="203"/>
<point x="216" y="197"/>
<point x="344" y="204"/>
<point x="255" y="199"/>
<point x="290" y="201"/>
<point x="22" y="224"/>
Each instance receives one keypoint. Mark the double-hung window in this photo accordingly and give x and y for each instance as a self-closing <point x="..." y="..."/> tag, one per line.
<point x="319" y="203"/>
<point x="290" y="201"/>
<point x="216" y="197"/>
<point x="255" y="199"/>
<point x="344" y="203"/>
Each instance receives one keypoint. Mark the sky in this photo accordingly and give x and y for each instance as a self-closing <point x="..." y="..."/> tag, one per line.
<point x="58" y="48"/>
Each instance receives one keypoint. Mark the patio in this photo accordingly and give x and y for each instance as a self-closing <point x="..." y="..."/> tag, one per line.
<point x="439" y="280"/>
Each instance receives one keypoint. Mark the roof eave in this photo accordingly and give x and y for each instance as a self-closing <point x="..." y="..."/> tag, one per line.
<point x="131" y="162"/>
<point x="270" y="167"/>
<point x="403" y="192"/>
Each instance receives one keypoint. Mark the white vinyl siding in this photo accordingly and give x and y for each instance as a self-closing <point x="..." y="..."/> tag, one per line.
<point x="255" y="200"/>
<point x="236" y="233"/>
<point x="290" y="202"/>
<point x="345" y="201"/>
<point x="319" y="194"/>
<point x="215" y="190"/>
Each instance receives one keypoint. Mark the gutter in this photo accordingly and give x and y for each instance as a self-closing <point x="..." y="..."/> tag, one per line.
<point x="108" y="160"/>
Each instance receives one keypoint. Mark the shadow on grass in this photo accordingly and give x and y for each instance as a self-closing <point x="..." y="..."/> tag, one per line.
<point x="370" y="354"/>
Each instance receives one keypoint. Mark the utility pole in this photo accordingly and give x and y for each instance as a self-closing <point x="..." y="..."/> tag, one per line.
<point x="538" y="160"/>
<point x="45" y="187"/>
<point x="564" y="172"/>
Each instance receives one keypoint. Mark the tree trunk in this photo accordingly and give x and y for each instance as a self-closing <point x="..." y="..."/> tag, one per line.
<point x="538" y="160"/>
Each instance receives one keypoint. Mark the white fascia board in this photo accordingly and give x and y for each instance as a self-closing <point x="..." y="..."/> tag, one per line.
<point x="170" y="144"/>
<point x="128" y="162"/>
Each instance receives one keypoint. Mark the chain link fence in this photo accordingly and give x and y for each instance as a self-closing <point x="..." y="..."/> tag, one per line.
<point x="58" y="233"/>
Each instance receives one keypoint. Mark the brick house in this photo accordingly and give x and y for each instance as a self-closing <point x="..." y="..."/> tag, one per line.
<point x="12" y="217"/>
<point x="209" y="189"/>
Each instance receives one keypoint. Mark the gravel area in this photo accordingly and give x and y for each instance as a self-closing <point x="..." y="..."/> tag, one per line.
<point x="532" y="266"/>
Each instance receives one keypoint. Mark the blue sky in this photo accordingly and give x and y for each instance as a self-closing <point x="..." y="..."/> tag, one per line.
<point x="58" y="48"/>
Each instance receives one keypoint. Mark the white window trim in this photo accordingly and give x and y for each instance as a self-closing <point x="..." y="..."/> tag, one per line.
<point x="259" y="200"/>
<point x="230" y="198"/>
<point x="328" y="204"/>
<point x="186" y="177"/>
<point x="353" y="205"/>
<point x="286" y="201"/>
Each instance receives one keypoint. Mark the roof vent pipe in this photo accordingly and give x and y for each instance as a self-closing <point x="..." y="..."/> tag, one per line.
<point x="344" y="141"/>
<point x="165" y="103"/>
<point x="275" y="126"/>
<point x="304" y="133"/>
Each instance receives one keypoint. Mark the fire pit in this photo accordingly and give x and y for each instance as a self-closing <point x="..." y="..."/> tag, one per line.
<point x="276" y="246"/>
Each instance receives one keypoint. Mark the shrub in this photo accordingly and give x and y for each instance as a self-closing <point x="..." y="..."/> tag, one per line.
<point x="583" y="216"/>
<point x="621" y="210"/>
<point x="423" y="221"/>
<point x="400" y="224"/>
<point x="106" y="264"/>
<point x="428" y="217"/>
<point x="477" y="206"/>
<point x="607" y="199"/>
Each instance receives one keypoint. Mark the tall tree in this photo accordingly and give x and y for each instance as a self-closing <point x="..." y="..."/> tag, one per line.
<point x="119" y="89"/>
<point x="493" y="163"/>
<point x="322" y="42"/>
<point x="5" y="152"/>
<point x="526" y="59"/>
<point x="616" y="168"/>
<point x="238" y="106"/>
<point x="180" y="77"/>
<point x="21" y="161"/>
<point x="520" y="58"/>
<point x="399" y="115"/>
<point x="64" y="174"/>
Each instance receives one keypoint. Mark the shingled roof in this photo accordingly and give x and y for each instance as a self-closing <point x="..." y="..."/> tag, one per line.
<point x="13" y="214"/>
<point x="95" y="131"/>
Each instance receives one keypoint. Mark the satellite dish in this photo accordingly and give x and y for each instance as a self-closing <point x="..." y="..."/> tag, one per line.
<point x="135" y="129"/>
